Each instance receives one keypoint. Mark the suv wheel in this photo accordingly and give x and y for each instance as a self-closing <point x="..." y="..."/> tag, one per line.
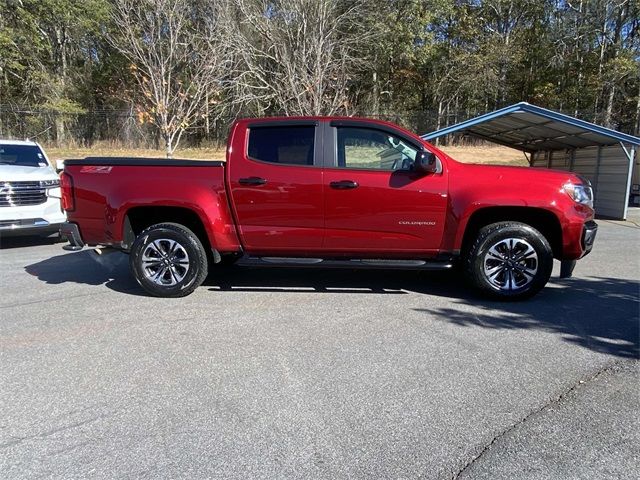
<point x="509" y="260"/>
<point x="168" y="260"/>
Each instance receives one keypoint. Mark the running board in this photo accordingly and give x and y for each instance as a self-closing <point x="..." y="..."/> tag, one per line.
<point x="350" y="263"/>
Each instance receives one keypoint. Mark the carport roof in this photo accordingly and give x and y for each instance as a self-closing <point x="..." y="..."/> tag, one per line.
<point x="530" y="128"/>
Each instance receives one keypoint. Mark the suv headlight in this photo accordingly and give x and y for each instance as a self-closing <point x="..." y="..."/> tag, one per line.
<point x="49" y="183"/>
<point x="582" y="194"/>
<point x="52" y="188"/>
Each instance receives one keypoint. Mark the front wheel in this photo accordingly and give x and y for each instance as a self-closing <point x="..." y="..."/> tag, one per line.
<point x="509" y="260"/>
<point x="168" y="260"/>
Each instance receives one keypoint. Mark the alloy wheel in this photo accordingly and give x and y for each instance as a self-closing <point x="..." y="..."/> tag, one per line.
<point x="510" y="264"/>
<point x="165" y="262"/>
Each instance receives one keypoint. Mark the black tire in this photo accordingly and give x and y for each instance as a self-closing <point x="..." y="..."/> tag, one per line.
<point x="509" y="276"/>
<point x="184" y="270"/>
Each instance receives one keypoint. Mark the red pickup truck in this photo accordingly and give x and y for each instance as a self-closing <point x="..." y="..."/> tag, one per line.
<point x="337" y="192"/>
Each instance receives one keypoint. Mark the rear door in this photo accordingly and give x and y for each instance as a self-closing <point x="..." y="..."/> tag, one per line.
<point x="374" y="203"/>
<point x="275" y="178"/>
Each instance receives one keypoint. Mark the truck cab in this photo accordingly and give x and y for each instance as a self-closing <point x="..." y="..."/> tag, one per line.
<point x="343" y="187"/>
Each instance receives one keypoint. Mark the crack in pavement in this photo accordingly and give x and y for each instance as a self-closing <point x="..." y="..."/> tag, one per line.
<point x="133" y="290"/>
<point x="552" y="401"/>
<point x="17" y="440"/>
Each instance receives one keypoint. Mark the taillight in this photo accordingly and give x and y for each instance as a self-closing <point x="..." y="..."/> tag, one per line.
<point x="66" y="185"/>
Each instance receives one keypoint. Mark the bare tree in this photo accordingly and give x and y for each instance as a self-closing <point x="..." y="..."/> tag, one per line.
<point x="178" y="58"/>
<point x="295" y="56"/>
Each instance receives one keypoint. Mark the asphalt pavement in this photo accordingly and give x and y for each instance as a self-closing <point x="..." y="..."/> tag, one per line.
<point x="298" y="373"/>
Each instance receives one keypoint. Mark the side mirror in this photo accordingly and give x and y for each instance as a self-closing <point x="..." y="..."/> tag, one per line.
<point x="59" y="166"/>
<point x="426" y="163"/>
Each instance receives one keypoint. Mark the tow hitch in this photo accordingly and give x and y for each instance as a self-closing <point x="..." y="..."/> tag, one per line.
<point x="72" y="234"/>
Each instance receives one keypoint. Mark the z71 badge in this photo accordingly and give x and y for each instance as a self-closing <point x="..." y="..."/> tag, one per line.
<point x="95" y="169"/>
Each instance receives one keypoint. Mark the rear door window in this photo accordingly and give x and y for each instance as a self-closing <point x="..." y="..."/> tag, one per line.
<point x="286" y="145"/>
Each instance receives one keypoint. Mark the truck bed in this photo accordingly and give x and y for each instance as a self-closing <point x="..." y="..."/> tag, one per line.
<point x="108" y="188"/>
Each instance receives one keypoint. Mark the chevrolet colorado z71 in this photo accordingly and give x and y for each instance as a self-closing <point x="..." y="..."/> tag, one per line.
<point x="329" y="192"/>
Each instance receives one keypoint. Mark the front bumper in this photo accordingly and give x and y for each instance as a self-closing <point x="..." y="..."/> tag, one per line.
<point x="27" y="226"/>
<point x="589" y="231"/>
<point x="31" y="219"/>
<point x="71" y="232"/>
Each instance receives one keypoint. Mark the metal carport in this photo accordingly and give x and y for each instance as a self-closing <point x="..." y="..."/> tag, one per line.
<point x="554" y="140"/>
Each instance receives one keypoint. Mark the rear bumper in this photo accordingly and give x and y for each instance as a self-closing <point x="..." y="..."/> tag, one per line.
<point x="71" y="232"/>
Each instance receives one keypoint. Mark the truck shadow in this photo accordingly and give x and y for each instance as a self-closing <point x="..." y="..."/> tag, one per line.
<point x="597" y="313"/>
<point x="87" y="268"/>
<point x="310" y="280"/>
<point x="28" y="241"/>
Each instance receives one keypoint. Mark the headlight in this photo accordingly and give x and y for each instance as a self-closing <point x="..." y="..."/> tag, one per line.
<point x="579" y="193"/>
<point x="54" y="192"/>
<point x="49" y="183"/>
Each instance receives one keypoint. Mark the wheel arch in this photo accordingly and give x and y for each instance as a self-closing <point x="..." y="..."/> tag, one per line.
<point x="545" y="221"/>
<point x="140" y="217"/>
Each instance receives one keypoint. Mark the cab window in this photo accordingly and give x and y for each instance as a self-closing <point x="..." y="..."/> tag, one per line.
<point x="287" y="145"/>
<point x="373" y="149"/>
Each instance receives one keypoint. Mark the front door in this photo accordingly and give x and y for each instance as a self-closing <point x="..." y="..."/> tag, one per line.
<point x="275" y="178"/>
<point x="374" y="203"/>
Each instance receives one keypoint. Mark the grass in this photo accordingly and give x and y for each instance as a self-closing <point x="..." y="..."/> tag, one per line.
<point x="488" y="155"/>
<point x="495" y="155"/>
<point x="106" y="150"/>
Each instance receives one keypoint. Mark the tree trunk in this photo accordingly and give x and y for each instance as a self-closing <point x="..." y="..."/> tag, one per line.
<point x="439" y="121"/>
<point x="168" y="145"/>
<point x="455" y="113"/>
<point x="617" y="46"/>
<point x="375" y="94"/>
<point x="608" y="116"/>
<point x="603" y="44"/>
<point x="207" y="126"/>
<point x="579" y="57"/>
<point x="637" y="128"/>
<point x="60" y="131"/>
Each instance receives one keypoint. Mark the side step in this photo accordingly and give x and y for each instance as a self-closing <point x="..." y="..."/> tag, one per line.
<point x="349" y="263"/>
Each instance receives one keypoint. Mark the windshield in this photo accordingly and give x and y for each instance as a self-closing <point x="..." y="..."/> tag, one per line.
<point x="22" y="155"/>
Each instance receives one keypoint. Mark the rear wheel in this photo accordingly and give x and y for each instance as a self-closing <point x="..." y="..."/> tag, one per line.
<point x="168" y="260"/>
<point x="509" y="260"/>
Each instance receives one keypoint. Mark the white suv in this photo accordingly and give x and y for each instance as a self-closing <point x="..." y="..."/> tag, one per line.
<point x="29" y="190"/>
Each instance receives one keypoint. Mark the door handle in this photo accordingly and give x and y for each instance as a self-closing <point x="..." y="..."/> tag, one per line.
<point x="252" y="181"/>
<point x="344" y="185"/>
